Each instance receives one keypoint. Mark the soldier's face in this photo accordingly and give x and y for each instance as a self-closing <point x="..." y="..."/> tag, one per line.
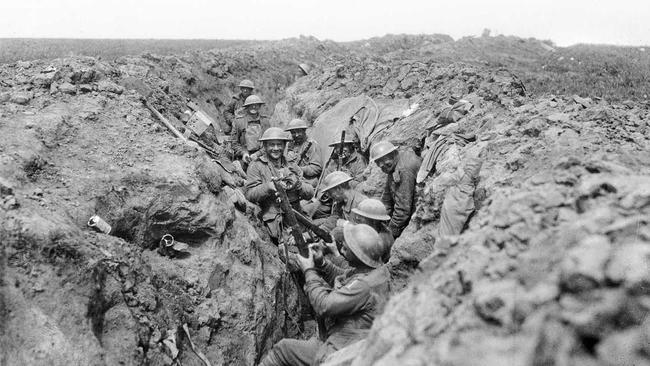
<point x="299" y="135"/>
<point x="245" y="92"/>
<point x="387" y="163"/>
<point x="274" y="149"/>
<point x="253" y="108"/>
<point x="337" y="193"/>
<point x="347" y="151"/>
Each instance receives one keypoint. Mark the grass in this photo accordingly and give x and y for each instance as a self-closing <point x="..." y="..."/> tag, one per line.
<point x="27" y="49"/>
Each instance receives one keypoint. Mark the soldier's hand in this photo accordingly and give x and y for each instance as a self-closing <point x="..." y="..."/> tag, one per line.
<point x="246" y="158"/>
<point x="317" y="251"/>
<point x="341" y="222"/>
<point x="306" y="263"/>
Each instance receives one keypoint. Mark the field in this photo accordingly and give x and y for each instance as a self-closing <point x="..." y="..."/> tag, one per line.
<point x="27" y="49"/>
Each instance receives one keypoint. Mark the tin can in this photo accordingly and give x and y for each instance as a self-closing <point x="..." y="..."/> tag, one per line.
<point x="98" y="224"/>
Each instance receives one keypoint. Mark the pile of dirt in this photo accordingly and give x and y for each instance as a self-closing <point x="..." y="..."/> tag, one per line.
<point x="550" y="269"/>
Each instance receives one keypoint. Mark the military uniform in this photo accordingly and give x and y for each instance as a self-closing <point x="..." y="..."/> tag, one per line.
<point x="399" y="191"/>
<point x="307" y="157"/>
<point x="246" y="131"/>
<point x="259" y="190"/>
<point x="351" y="299"/>
<point x="354" y="166"/>
<point x="343" y="210"/>
<point x="233" y="108"/>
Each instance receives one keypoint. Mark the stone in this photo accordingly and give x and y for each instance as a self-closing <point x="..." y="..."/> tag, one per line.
<point x="534" y="127"/>
<point x="85" y="88"/>
<point x="5" y="96"/>
<point x="622" y="349"/>
<point x="109" y="86"/>
<point x="495" y="302"/>
<point x="559" y="117"/>
<point x="21" y="97"/>
<point x="6" y="188"/>
<point x="584" y="265"/>
<point x="44" y="80"/>
<point x="630" y="266"/>
<point x="67" y="88"/>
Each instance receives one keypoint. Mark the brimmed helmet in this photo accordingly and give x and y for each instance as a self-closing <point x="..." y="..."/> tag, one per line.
<point x="305" y="68"/>
<point x="296" y="124"/>
<point x="372" y="208"/>
<point x="348" y="140"/>
<point x="365" y="243"/>
<point x="246" y="84"/>
<point x="275" y="133"/>
<point x="335" y="179"/>
<point x="253" y="99"/>
<point x="381" y="149"/>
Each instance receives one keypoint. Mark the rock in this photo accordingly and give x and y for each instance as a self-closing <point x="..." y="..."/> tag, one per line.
<point x="630" y="266"/>
<point x="6" y="188"/>
<point x="534" y="127"/>
<point x="85" y="88"/>
<point x="21" y="97"/>
<point x="23" y="64"/>
<point x="622" y="349"/>
<point x="5" y="96"/>
<point x="559" y="117"/>
<point x="67" y="88"/>
<point x="109" y="86"/>
<point x="584" y="102"/>
<point x="495" y="302"/>
<point x="44" y="80"/>
<point x="584" y="266"/>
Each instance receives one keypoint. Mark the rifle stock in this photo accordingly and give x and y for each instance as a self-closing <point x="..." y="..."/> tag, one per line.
<point x="321" y="233"/>
<point x="290" y="219"/>
<point x="340" y="157"/>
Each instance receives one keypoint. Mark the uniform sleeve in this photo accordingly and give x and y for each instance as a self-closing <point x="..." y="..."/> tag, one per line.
<point x="256" y="189"/>
<point x="329" y="271"/>
<point x="387" y="197"/>
<point x="313" y="166"/>
<point x="356" y="171"/>
<point x="238" y="149"/>
<point x="327" y="301"/>
<point x="404" y="201"/>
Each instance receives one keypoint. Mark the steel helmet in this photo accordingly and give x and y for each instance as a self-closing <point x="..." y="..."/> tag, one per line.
<point x="348" y="140"/>
<point x="305" y="68"/>
<point x="246" y="84"/>
<point x="365" y="243"/>
<point x="334" y="179"/>
<point x="296" y="124"/>
<point x="253" y="99"/>
<point x="381" y="149"/>
<point x="274" y="133"/>
<point x="372" y="208"/>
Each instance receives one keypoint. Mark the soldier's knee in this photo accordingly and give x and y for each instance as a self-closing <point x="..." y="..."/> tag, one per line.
<point x="277" y="355"/>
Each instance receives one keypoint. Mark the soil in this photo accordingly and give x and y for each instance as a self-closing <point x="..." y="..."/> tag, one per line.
<point x="552" y="268"/>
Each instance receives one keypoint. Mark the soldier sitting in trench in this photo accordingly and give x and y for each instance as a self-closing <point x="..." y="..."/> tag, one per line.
<point x="352" y="163"/>
<point x="304" y="152"/>
<point x="398" y="196"/>
<point x="235" y="107"/>
<point x="351" y="298"/>
<point x="260" y="189"/>
<point x="247" y="129"/>
<point x="373" y="213"/>
<point x="344" y="199"/>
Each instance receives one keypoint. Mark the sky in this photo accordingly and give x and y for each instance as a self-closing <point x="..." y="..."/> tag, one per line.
<point x="566" y="22"/>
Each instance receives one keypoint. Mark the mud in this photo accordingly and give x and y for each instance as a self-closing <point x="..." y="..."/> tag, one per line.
<point x="550" y="269"/>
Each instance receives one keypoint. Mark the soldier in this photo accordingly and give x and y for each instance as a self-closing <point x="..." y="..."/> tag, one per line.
<point x="304" y="152"/>
<point x="247" y="129"/>
<point x="351" y="298"/>
<point x="373" y="213"/>
<point x="399" y="192"/>
<point x="344" y="198"/>
<point x="353" y="162"/>
<point x="259" y="187"/>
<point x="235" y="106"/>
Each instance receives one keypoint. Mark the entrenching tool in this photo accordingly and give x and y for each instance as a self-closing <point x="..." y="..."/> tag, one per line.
<point x="339" y="163"/>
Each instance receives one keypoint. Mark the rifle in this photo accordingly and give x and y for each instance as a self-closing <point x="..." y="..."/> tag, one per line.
<point x="303" y="249"/>
<point x="340" y="157"/>
<point x="321" y="233"/>
<point x="290" y="218"/>
<point x="304" y="152"/>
